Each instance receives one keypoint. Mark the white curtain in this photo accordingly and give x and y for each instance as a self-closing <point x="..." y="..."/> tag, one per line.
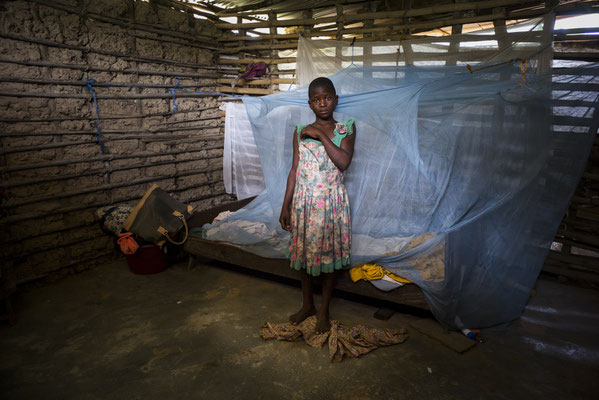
<point x="242" y="172"/>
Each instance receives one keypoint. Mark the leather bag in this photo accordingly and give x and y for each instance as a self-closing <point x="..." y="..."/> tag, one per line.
<point x="159" y="216"/>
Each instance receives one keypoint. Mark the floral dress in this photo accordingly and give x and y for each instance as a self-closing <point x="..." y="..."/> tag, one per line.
<point x="320" y="239"/>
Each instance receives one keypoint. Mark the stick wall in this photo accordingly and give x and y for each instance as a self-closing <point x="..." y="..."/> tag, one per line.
<point x="56" y="169"/>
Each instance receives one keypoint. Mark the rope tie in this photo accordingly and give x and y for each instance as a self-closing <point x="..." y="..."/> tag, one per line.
<point x="89" y="83"/>
<point x="173" y="91"/>
<point x="523" y="68"/>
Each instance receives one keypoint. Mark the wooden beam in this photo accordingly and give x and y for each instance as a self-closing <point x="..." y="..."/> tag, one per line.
<point x="269" y="81"/>
<point x="279" y="46"/>
<point x="394" y="28"/>
<point x="425" y="25"/>
<point x="560" y="269"/>
<point x="257" y="60"/>
<point x="442" y="9"/>
<point x="300" y="7"/>
<point x="228" y="89"/>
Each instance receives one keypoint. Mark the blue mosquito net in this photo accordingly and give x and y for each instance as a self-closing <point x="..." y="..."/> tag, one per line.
<point x="459" y="179"/>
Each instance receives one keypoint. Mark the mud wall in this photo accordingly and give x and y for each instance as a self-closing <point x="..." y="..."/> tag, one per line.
<point x="64" y="154"/>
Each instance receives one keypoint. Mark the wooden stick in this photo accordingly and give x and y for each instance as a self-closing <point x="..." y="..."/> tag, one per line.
<point x="23" y="217"/>
<point x="574" y="31"/>
<point x="252" y="6"/>
<point x="95" y="236"/>
<point x="257" y="60"/>
<point x="181" y="6"/>
<point x="190" y="120"/>
<point x="167" y="40"/>
<point x="191" y="128"/>
<point x="133" y="96"/>
<point x="93" y="118"/>
<point x="90" y="132"/>
<point x="579" y="56"/>
<point x="103" y="171"/>
<point x="472" y="56"/>
<point x="361" y="17"/>
<point x="228" y="89"/>
<point x="579" y="236"/>
<point x="283" y="46"/>
<point x="105" y="139"/>
<point x="85" y="49"/>
<point x="578" y="87"/>
<point x="258" y="81"/>
<point x="61" y="267"/>
<point x="584" y="261"/>
<point x="106" y="157"/>
<point x="303" y="6"/>
<point x="30" y="81"/>
<point x="575" y="243"/>
<point x="102" y="188"/>
<point x="124" y="23"/>
<point x="112" y="70"/>
<point x="432" y="24"/>
<point x="69" y="228"/>
<point x="551" y="268"/>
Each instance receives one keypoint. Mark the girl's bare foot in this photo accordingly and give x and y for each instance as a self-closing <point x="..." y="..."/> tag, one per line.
<point x="302" y="314"/>
<point x="323" y="324"/>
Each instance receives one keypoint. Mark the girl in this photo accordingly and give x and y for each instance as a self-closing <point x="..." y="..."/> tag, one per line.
<point x="316" y="209"/>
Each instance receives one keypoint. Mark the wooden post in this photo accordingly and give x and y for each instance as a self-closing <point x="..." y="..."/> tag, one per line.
<point x="546" y="57"/>
<point x="454" y="45"/>
<point x="503" y="45"/>
<point x="367" y="47"/>
<point x="407" y="47"/>
<point x="338" y="47"/>
<point x="272" y="18"/>
<point x="340" y="26"/>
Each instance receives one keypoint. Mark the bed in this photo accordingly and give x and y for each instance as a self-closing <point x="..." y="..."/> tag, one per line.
<point x="408" y="296"/>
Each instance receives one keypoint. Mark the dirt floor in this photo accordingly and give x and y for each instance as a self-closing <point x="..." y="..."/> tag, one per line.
<point x="194" y="334"/>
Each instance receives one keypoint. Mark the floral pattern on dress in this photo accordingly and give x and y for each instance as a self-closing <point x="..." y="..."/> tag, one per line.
<point x="320" y="239"/>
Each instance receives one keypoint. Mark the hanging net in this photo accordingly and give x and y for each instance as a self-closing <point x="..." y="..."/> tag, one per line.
<point x="459" y="178"/>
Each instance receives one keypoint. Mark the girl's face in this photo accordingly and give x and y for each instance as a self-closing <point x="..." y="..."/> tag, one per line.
<point x="323" y="102"/>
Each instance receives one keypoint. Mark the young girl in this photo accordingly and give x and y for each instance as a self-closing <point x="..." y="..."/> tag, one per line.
<point x="316" y="209"/>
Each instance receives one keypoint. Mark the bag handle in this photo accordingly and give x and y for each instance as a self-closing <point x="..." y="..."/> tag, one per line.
<point x="165" y="232"/>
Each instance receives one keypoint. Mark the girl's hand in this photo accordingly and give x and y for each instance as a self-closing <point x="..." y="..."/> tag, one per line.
<point x="310" y="131"/>
<point x="285" y="219"/>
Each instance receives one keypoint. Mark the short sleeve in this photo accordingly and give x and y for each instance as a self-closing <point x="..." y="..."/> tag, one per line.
<point x="342" y="130"/>
<point x="349" y="124"/>
<point x="298" y="129"/>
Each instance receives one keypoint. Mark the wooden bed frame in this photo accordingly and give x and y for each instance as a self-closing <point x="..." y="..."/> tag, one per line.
<point x="407" y="296"/>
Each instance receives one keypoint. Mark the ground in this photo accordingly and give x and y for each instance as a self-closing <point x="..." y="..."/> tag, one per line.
<point x="194" y="334"/>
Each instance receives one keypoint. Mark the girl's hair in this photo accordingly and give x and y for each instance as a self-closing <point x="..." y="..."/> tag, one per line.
<point x="323" y="83"/>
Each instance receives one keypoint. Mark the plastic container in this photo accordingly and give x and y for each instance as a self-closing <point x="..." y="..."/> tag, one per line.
<point x="148" y="259"/>
<point x="469" y="334"/>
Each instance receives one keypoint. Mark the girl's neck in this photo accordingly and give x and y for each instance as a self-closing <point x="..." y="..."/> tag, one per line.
<point x="324" y="122"/>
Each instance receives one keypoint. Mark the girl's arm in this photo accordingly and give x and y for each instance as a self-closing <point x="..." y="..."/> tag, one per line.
<point x="341" y="156"/>
<point x="285" y="218"/>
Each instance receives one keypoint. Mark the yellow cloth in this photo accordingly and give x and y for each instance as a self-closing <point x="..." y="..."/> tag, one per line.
<point x="371" y="272"/>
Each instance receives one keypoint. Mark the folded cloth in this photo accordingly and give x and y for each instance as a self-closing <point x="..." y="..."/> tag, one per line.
<point x="343" y="341"/>
<point x="371" y="272"/>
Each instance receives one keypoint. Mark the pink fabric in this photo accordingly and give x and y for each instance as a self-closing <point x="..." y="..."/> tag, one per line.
<point x="254" y="70"/>
<point x="128" y="244"/>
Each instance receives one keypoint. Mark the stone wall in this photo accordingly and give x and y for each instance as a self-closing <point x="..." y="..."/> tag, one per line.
<point x="59" y="165"/>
